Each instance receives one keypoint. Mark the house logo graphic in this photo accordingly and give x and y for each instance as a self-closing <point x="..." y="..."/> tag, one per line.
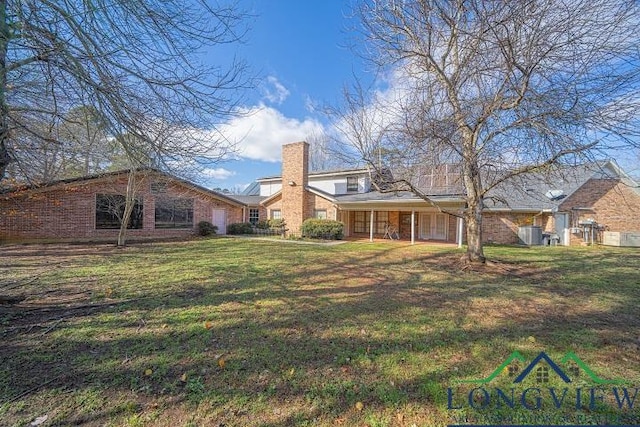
<point x="546" y="386"/>
<point x="575" y="366"/>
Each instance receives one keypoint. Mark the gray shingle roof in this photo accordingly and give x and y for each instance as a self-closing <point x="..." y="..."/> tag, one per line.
<point x="247" y="200"/>
<point x="535" y="191"/>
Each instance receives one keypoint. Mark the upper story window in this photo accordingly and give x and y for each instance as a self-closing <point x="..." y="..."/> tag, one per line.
<point x="352" y="183"/>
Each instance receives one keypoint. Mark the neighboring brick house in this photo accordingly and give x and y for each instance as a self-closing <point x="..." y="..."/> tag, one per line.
<point x="90" y="208"/>
<point x="572" y="206"/>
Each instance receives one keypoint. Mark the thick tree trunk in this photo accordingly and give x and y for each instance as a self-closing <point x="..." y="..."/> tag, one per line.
<point x="4" y="111"/>
<point x="473" y="220"/>
<point x="473" y="187"/>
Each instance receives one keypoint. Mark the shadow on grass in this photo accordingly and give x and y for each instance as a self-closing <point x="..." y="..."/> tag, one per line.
<point x="303" y="339"/>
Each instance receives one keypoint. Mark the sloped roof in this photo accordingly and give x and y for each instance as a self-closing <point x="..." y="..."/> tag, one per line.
<point x="392" y="196"/>
<point x="324" y="194"/>
<point x="538" y="191"/>
<point x="247" y="200"/>
<point x="252" y="189"/>
<point x="106" y="175"/>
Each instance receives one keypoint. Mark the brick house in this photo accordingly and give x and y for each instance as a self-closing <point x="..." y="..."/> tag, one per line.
<point x="572" y="206"/>
<point x="90" y="208"/>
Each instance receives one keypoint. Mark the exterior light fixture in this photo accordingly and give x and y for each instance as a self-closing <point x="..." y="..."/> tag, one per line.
<point x="292" y="183"/>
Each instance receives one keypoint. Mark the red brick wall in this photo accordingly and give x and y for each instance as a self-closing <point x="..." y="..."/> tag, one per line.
<point x="502" y="227"/>
<point x="610" y="202"/>
<point x="314" y="202"/>
<point x="274" y="204"/>
<point x="295" y="164"/>
<point x="68" y="211"/>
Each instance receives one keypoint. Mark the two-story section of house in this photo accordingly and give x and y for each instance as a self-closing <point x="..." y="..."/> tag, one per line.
<point x="298" y="194"/>
<point x="348" y="196"/>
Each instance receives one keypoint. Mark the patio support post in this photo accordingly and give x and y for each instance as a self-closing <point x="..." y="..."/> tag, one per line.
<point x="460" y="228"/>
<point x="413" y="227"/>
<point x="371" y="227"/>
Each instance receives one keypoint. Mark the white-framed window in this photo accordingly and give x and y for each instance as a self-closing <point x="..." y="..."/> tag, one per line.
<point x="276" y="214"/>
<point x="254" y="215"/>
<point x="320" y="213"/>
<point x="352" y="184"/>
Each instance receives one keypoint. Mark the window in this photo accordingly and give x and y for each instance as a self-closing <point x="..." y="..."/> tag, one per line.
<point x="276" y="214"/>
<point x="362" y="221"/>
<point x="110" y="210"/>
<point x="352" y="183"/>
<point x="254" y="216"/>
<point x="320" y="213"/>
<point x="381" y="221"/>
<point x="174" y="213"/>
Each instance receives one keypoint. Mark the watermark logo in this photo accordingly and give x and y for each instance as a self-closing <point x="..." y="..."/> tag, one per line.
<point x="574" y="363"/>
<point x="557" y="388"/>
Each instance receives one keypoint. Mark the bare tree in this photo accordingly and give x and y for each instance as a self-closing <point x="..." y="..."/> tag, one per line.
<point x="499" y="88"/>
<point x="135" y="63"/>
<point x="322" y="156"/>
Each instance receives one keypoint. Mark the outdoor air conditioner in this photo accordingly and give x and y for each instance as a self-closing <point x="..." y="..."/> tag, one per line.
<point x="530" y="235"/>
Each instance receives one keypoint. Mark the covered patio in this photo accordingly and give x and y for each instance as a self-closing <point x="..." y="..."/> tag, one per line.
<point x="401" y="216"/>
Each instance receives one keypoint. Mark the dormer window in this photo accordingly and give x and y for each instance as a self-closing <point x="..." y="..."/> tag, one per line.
<point x="352" y="184"/>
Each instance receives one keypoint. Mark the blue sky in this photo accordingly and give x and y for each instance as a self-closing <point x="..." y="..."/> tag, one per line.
<point x="299" y="50"/>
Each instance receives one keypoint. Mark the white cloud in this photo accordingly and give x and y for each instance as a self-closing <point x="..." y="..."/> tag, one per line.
<point x="275" y="92"/>
<point x="261" y="131"/>
<point x="218" y="173"/>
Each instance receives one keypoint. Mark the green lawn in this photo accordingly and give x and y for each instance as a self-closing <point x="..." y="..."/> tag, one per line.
<point x="241" y="332"/>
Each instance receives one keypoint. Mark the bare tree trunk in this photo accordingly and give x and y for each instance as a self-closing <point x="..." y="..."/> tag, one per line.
<point x="130" y="201"/>
<point x="4" y="111"/>
<point x="473" y="220"/>
<point x="473" y="186"/>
